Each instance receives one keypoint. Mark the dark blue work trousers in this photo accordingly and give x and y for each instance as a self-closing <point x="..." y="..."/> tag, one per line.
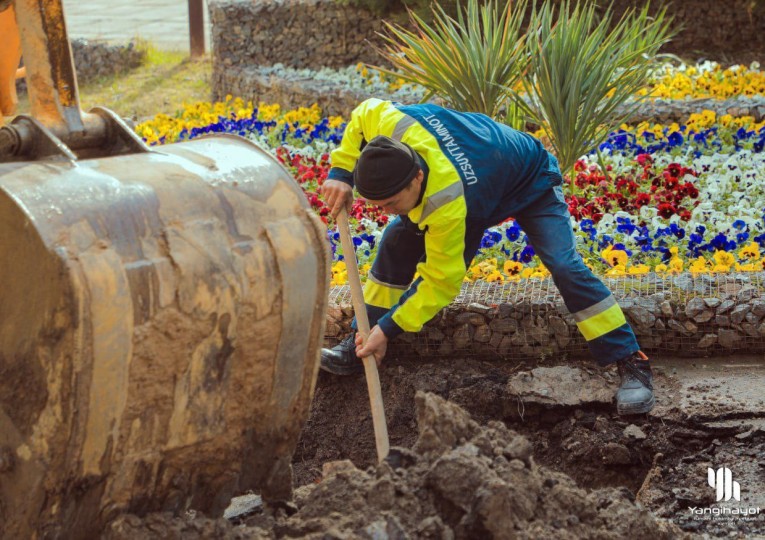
<point x="547" y="223"/>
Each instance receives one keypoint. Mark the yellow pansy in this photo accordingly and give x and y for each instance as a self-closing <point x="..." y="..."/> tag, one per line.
<point x="512" y="268"/>
<point x="494" y="276"/>
<point x="617" y="270"/>
<point x="614" y="257"/>
<point x="748" y="267"/>
<point x="751" y="251"/>
<point x="723" y="258"/>
<point x="699" y="265"/>
<point x="676" y="265"/>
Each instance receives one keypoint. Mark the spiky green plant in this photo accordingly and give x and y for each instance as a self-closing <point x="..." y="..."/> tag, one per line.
<point x="469" y="61"/>
<point x="583" y="70"/>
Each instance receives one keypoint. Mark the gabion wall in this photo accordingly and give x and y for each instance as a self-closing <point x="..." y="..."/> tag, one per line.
<point x="266" y="85"/>
<point x="94" y="60"/>
<point x="260" y="85"/>
<point x="314" y="33"/>
<point x="680" y="314"/>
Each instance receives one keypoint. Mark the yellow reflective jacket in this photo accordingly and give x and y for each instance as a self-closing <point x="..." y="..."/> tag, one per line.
<point x="477" y="169"/>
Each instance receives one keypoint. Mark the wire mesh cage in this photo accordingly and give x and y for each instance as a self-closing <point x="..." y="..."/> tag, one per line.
<point x="682" y="314"/>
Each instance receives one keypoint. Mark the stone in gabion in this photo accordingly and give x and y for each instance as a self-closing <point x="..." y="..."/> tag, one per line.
<point x="641" y="316"/>
<point x="729" y="338"/>
<point x="504" y="326"/>
<point x="406" y="337"/>
<point x="712" y="302"/>
<point x="704" y="316"/>
<point x="750" y="329"/>
<point x="650" y="341"/>
<point x="725" y="306"/>
<point x="694" y="307"/>
<point x="651" y="303"/>
<point x="479" y="308"/>
<point x="562" y="340"/>
<point x="434" y="334"/>
<point x="333" y="329"/>
<point x="722" y="320"/>
<point x="470" y="318"/>
<point x="746" y="294"/>
<point x="678" y="327"/>
<point x="666" y="309"/>
<point x="482" y="334"/>
<point x="519" y="338"/>
<point x="738" y="314"/>
<point x="506" y="344"/>
<point x="539" y="332"/>
<point x="707" y="341"/>
<point x="558" y="325"/>
<point x="758" y="307"/>
<point x="461" y="338"/>
<point x="496" y="340"/>
<point x="684" y="282"/>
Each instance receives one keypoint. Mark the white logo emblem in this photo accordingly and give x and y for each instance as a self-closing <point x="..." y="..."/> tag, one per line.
<point x="722" y="481"/>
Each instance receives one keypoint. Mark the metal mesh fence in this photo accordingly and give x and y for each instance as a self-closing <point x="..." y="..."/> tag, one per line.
<point x="682" y="314"/>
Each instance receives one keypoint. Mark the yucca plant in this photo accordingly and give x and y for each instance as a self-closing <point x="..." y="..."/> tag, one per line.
<point x="583" y="70"/>
<point x="469" y="62"/>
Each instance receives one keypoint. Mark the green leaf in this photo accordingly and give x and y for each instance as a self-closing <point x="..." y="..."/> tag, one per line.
<point x="583" y="68"/>
<point x="470" y="62"/>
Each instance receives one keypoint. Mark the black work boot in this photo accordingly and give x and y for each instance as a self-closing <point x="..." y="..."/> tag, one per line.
<point x="341" y="359"/>
<point x="635" y="394"/>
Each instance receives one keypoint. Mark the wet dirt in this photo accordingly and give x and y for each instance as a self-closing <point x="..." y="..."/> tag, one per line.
<point x="526" y="465"/>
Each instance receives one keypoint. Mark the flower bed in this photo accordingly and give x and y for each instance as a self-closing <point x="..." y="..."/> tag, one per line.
<point x="655" y="200"/>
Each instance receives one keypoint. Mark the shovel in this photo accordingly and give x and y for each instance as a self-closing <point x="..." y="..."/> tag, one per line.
<point x="362" y="321"/>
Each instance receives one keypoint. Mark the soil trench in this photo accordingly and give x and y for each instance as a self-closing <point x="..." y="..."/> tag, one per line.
<point x="544" y="447"/>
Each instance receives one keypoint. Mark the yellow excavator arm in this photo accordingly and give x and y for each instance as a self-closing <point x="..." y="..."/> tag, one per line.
<point x="10" y="55"/>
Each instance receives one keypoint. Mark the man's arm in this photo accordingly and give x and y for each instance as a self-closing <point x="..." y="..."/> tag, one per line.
<point x="362" y="127"/>
<point x="440" y="276"/>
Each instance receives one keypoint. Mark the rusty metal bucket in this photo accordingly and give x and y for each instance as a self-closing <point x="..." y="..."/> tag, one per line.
<point x="161" y="315"/>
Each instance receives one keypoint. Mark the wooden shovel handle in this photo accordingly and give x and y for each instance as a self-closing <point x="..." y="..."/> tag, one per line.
<point x="362" y="321"/>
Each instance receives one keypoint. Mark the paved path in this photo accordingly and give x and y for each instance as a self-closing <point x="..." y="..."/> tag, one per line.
<point x="165" y="23"/>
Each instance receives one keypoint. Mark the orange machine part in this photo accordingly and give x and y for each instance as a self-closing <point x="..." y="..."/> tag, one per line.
<point x="10" y="55"/>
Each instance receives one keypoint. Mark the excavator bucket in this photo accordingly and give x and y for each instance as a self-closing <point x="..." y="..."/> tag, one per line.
<point x="161" y="312"/>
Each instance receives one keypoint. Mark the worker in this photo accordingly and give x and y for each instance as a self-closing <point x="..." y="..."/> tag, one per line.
<point x="448" y="176"/>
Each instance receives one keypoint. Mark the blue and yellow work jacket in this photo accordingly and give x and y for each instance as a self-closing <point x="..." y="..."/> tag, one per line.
<point x="479" y="173"/>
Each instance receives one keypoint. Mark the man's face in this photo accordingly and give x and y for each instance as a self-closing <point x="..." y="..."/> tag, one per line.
<point x="405" y="200"/>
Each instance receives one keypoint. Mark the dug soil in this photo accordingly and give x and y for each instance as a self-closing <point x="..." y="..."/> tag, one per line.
<point x="501" y="450"/>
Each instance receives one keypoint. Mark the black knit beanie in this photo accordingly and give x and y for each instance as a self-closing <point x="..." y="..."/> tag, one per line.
<point x="385" y="167"/>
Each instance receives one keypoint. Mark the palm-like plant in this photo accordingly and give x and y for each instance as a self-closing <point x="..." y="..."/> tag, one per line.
<point x="583" y="71"/>
<point x="469" y="62"/>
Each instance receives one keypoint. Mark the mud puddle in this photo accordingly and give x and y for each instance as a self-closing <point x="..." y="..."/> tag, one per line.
<point x="544" y="454"/>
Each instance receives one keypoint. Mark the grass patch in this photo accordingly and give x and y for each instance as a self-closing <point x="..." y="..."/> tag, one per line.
<point x="166" y="81"/>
